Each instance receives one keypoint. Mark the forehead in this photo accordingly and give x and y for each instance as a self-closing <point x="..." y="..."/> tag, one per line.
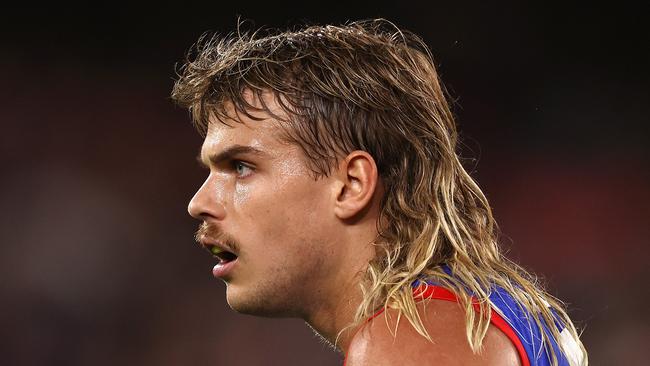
<point x="261" y="132"/>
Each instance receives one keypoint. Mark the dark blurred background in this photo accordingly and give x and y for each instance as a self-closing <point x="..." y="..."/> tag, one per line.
<point x="97" y="261"/>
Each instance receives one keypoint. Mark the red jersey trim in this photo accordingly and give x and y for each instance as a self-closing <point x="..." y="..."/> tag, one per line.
<point x="427" y="291"/>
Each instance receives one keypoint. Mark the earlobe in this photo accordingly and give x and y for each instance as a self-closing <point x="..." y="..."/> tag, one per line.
<point x="358" y="181"/>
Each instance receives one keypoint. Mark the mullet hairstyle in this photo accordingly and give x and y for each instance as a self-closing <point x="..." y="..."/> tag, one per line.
<point x="370" y="86"/>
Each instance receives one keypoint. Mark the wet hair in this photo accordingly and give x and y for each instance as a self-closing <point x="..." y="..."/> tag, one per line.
<point x="370" y="86"/>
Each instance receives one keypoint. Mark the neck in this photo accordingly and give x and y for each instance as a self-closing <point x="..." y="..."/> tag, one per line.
<point x="332" y="315"/>
<point x="332" y="321"/>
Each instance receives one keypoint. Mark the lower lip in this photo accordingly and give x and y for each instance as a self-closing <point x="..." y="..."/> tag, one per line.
<point x="222" y="269"/>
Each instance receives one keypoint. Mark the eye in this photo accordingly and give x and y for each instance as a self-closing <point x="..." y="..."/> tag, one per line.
<point x="242" y="169"/>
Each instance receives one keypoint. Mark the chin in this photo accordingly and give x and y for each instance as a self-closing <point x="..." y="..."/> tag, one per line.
<point x="254" y="303"/>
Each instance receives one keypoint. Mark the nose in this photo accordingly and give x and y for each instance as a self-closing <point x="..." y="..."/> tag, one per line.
<point x="206" y="202"/>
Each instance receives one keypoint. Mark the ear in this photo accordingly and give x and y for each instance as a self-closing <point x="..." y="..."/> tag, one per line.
<point x="356" y="184"/>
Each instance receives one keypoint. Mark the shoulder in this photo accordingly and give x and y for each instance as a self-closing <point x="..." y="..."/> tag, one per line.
<point x="376" y="344"/>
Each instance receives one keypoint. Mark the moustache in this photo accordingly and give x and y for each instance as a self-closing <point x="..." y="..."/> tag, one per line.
<point x="213" y="232"/>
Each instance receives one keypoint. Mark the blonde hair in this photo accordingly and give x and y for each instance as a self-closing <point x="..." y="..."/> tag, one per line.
<point x="371" y="86"/>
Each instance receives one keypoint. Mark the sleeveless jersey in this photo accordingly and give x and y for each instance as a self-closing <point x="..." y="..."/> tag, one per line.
<point x="515" y="322"/>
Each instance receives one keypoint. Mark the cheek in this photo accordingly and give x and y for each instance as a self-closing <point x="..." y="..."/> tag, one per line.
<point x="280" y="217"/>
<point x="298" y="230"/>
<point x="241" y="195"/>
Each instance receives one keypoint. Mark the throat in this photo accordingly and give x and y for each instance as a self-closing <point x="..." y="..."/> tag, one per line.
<point x="333" y="323"/>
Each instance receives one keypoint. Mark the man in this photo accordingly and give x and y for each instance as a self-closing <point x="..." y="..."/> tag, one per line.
<point x="335" y="195"/>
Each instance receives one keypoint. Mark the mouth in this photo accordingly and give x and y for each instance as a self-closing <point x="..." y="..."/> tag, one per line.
<point x="227" y="261"/>
<point x="226" y="256"/>
<point x="222" y="254"/>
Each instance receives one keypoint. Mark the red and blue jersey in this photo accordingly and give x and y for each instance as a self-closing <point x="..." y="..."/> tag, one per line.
<point x="515" y="322"/>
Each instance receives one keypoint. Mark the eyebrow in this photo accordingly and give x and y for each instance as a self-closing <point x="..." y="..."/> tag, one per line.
<point x="229" y="153"/>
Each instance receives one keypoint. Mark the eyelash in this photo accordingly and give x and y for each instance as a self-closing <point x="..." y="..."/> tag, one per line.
<point x="236" y="163"/>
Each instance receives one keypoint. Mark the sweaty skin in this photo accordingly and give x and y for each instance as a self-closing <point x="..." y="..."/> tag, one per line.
<point x="375" y="345"/>
<point x="303" y="244"/>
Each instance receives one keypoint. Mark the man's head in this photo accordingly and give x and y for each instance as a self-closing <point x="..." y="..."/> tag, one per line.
<point x="346" y="174"/>
<point x="324" y="93"/>
<point x="294" y="236"/>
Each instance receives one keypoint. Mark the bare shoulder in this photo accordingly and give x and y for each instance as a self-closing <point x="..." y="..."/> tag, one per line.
<point x="375" y="345"/>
